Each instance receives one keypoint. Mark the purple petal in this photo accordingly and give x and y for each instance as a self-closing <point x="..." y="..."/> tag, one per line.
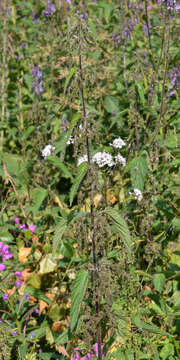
<point x="2" y="267"/>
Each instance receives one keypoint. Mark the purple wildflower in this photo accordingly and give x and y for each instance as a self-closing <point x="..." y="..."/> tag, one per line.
<point x="174" y="76"/>
<point x="32" y="227"/>
<point x="34" y="17"/>
<point x="37" y="83"/>
<point x="2" y="267"/>
<point x="32" y="335"/>
<point x="27" y="296"/>
<point x="5" y="297"/>
<point x="23" y="227"/>
<point x="18" y="274"/>
<point x="14" y="332"/>
<point x="4" y="252"/>
<point x="16" y="220"/>
<point x="50" y="9"/>
<point x="36" y="311"/>
<point x="18" y="283"/>
<point x="36" y="73"/>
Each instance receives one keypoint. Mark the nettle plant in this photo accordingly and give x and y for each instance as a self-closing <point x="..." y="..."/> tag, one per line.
<point x="102" y="232"/>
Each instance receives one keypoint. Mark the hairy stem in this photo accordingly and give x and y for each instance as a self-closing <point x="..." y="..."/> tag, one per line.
<point x="92" y="211"/>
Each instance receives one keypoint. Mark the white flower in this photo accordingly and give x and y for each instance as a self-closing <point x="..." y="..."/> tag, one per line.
<point x="120" y="159"/>
<point x="118" y="143"/>
<point x="102" y="159"/>
<point x="82" y="159"/>
<point x="47" y="151"/>
<point x="70" y="141"/>
<point x="137" y="194"/>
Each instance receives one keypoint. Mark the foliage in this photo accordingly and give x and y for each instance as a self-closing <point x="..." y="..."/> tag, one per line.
<point x="89" y="249"/>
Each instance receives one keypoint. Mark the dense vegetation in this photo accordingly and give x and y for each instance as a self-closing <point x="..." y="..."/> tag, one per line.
<point x="90" y="179"/>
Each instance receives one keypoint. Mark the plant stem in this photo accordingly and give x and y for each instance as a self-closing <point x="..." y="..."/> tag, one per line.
<point x="92" y="212"/>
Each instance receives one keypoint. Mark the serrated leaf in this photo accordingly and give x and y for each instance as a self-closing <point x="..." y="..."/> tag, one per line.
<point x="77" y="295"/>
<point x="38" y="195"/>
<point x="60" y="165"/>
<point x="158" y="282"/>
<point x="148" y="327"/>
<point x="121" y="226"/>
<point x="82" y="170"/>
<point x="58" y="234"/>
<point x="167" y="351"/>
<point x="138" y="170"/>
<point x="64" y="337"/>
<point x="70" y="75"/>
<point x="111" y="104"/>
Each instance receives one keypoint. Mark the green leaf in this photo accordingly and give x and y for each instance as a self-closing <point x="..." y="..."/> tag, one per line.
<point x="38" y="294"/>
<point x="28" y="132"/>
<point x="78" y="291"/>
<point x="38" y="195"/>
<point x="60" y="165"/>
<point x="111" y="104"/>
<point x="158" y="282"/>
<point x="70" y="75"/>
<point x="121" y="227"/>
<point x="22" y="351"/>
<point x="61" y="145"/>
<point x="64" y="337"/>
<point x="148" y="327"/>
<point x="58" y="234"/>
<point x="138" y="170"/>
<point x="167" y="351"/>
<point x="82" y="170"/>
<point x="140" y="89"/>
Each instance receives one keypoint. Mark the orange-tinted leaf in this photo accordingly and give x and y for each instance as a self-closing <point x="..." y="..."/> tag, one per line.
<point x="11" y="291"/>
<point x="61" y="349"/>
<point x="23" y="254"/>
<point x="25" y="274"/>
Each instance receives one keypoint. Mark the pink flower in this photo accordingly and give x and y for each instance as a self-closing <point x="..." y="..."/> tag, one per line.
<point x="23" y="226"/>
<point x="2" y="267"/>
<point x="32" y="228"/>
<point x="16" y="220"/>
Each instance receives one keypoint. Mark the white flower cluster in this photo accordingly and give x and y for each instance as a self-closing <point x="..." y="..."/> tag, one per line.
<point x="70" y="141"/>
<point x="137" y="194"/>
<point x="82" y="159"/>
<point x="71" y="138"/>
<point x="47" y="151"/>
<point x="102" y="159"/>
<point x="120" y="159"/>
<point x="118" y="143"/>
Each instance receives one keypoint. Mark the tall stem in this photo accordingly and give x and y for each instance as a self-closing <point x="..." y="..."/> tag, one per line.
<point x="92" y="211"/>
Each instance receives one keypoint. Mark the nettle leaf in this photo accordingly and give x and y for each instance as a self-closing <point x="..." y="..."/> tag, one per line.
<point x="148" y="327"/>
<point x="111" y="104"/>
<point x="158" y="282"/>
<point x="82" y="170"/>
<point x="138" y="170"/>
<point x="78" y="291"/>
<point x="38" y="195"/>
<point x="60" y="165"/>
<point x="58" y="234"/>
<point x="121" y="226"/>
<point x="68" y="79"/>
